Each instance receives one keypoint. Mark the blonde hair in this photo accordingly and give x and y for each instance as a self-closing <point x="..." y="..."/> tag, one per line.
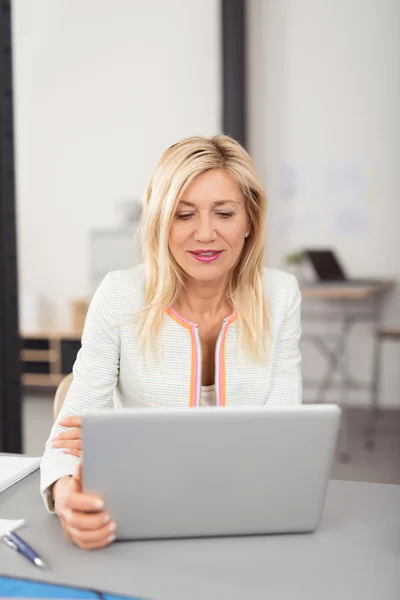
<point x="178" y="166"/>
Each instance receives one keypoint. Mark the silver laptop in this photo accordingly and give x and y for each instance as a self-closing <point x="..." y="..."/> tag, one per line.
<point x="167" y="473"/>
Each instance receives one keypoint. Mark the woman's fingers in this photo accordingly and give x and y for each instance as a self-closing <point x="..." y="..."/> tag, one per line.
<point x="93" y="536"/>
<point x="95" y="545"/>
<point x="77" y="444"/>
<point x="71" y="422"/>
<point x="65" y="527"/>
<point x="89" y="531"/>
<point x="86" y="503"/>
<point x="90" y="521"/>
<point x="71" y="434"/>
<point x="69" y="441"/>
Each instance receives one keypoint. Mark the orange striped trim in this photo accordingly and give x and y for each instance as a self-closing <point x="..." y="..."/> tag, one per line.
<point x="222" y="358"/>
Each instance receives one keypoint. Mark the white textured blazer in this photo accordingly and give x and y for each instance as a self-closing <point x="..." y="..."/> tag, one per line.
<point x="109" y="370"/>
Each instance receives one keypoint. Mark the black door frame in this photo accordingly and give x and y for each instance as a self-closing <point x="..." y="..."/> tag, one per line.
<point x="234" y="69"/>
<point x="10" y="367"/>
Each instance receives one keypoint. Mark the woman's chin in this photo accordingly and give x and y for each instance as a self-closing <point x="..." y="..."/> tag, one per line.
<point x="206" y="273"/>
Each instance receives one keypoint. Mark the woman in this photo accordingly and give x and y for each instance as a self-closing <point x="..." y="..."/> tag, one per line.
<point x="201" y="323"/>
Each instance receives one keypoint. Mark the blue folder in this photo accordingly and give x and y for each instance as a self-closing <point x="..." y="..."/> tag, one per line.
<point x="14" y="587"/>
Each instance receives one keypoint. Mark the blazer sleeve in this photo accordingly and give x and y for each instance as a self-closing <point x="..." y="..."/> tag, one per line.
<point x="95" y="371"/>
<point x="286" y="386"/>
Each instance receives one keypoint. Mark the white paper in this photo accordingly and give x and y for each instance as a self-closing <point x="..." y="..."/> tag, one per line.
<point x="7" y="525"/>
<point x="14" y="468"/>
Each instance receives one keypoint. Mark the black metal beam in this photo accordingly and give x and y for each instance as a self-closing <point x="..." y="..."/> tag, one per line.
<point x="10" y="366"/>
<point x="234" y="69"/>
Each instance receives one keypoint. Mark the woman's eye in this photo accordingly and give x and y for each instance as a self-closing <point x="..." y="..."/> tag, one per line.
<point x="225" y="215"/>
<point x="186" y="216"/>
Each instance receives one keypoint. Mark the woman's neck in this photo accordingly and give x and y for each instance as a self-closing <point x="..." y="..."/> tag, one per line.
<point x="204" y="300"/>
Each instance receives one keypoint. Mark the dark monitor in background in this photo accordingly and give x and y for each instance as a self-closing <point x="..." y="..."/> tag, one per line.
<point x="326" y="265"/>
<point x="329" y="269"/>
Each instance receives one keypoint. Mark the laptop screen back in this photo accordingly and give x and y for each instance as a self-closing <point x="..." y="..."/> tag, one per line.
<point x="326" y="265"/>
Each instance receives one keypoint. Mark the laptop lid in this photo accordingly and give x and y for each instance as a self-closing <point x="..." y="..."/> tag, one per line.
<point x="168" y="473"/>
<point x="326" y="265"/>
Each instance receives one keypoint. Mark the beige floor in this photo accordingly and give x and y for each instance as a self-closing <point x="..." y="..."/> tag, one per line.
<point x="382" y="464"/>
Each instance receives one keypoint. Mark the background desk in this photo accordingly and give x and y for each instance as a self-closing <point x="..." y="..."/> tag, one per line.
<point x="354" y="555"/>
<point x="345" y="304"/>
<point x="346" y="291"/>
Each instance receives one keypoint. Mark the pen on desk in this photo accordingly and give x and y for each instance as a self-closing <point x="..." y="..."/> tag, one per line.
<point x="16" y="543"/>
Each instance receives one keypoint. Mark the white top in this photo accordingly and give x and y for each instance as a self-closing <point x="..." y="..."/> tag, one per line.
<point x="111" y="369"/>
<point x="207" y="396"/>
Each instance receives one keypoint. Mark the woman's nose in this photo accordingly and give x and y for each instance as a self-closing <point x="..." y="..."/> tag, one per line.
<point x="205" y="231"/>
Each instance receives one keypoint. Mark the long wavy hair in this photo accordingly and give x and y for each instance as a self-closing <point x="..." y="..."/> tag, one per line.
<point x="165" y="279"/>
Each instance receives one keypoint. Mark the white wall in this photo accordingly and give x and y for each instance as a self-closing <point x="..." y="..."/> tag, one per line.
<point x="324" y="98"/>
<point x="101" y="89"/>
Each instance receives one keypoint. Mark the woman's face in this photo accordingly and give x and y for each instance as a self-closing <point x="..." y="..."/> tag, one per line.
<point x="209" y="226"/>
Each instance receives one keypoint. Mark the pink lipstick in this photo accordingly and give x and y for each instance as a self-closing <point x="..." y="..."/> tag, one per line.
<point x="206" y="256"/>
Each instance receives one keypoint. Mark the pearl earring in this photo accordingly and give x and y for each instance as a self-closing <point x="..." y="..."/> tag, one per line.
<point x="246" y="235"/>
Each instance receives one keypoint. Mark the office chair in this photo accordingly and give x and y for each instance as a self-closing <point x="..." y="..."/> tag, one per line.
<point x="61" y="393"/>
<point x="382" y="334"/>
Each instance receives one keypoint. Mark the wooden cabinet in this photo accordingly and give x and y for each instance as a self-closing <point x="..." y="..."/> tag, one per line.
<point x="47" y="356"/>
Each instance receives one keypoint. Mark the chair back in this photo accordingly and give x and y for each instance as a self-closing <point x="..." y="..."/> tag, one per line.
<point x="61" y="393"/>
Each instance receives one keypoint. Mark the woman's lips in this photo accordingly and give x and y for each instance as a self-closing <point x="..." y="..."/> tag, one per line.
<point x="206" y="256"/>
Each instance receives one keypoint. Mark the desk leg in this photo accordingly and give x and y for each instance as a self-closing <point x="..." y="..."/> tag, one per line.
<point x="344" y="445"/>
<point x="334" y="358"/>
<point x="375" y="387"/>
<point x="344" y="453"/>
<point x="336" y="361"/>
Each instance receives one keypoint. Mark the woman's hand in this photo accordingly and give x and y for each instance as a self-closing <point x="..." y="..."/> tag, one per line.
<point x="82" y="516"/>
<point x="70" y="441"/>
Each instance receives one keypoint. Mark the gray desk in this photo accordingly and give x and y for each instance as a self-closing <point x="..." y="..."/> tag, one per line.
<point x="354" y="555"/>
